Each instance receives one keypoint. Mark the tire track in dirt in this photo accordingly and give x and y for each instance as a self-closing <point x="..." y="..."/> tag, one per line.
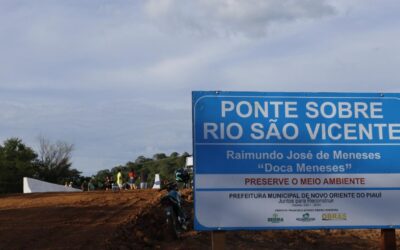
<point x="135" y="220"/>
<point x="71" y="221"/>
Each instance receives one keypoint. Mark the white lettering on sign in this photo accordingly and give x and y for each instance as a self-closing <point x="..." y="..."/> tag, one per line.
<point x="328" y="110"/>
<point x="321" y="120"/>
<point x="256" y="109"/>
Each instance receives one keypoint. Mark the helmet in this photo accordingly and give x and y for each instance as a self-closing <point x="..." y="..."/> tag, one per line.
<point x="171" y="186"/>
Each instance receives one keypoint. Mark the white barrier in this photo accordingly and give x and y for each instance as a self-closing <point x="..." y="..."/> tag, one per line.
<point x="157" y="183"/>
<point x="189" y="161"/>
<point x="36" y="186"/>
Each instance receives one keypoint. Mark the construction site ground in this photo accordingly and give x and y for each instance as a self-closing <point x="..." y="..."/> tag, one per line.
<point x="134" y="219"/>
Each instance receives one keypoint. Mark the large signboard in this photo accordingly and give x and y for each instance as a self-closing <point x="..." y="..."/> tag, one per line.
<point x="296" y="160"/>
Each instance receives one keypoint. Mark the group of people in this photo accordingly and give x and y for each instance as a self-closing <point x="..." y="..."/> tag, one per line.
<point x="68" y="184"/>
<point x="120" y="184"/>
<point x="88" y="186"/>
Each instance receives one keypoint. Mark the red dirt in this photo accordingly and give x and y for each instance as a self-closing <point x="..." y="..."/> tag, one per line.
<point x="134" y="220"/>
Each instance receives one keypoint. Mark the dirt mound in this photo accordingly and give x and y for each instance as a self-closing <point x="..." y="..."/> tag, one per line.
<point x="67" y="220"/>
<point x="148" y="231"/>
<point x="135" y="220"/>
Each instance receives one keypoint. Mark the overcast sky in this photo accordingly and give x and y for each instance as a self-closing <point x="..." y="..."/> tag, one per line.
<point x="114" y="77"/>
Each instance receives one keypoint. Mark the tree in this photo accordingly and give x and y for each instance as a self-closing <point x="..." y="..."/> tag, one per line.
<point x="16" y="162"/>
<point x="160" y="164"/>
<point x="141" y="159"/>
<point x="159" y="156"/>
<point x="101" y="175"/>
<point x="174" y="154"/>
<point x="54" y="163"/>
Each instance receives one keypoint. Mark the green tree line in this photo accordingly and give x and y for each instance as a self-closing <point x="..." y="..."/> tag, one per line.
<point x="51" y="164"/>
<point x="160" y="164"/>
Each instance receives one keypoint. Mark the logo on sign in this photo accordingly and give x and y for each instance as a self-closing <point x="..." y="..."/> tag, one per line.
<point x="275" y="219"/>
<point x="334" y="216"/>
<point x="305" y="218"/>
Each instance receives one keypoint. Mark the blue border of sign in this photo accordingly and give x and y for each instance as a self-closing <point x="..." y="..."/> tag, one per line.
<point x="197" y="95"/>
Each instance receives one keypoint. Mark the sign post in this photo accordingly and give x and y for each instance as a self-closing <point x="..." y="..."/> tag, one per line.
<point x="388" y="239"/>
<point x="296" y="160"/>
<point x="218" y="240"/>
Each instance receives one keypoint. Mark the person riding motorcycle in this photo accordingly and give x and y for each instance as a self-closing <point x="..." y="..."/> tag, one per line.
<point x="182" y="176"/>
<point x="174" y="198"/>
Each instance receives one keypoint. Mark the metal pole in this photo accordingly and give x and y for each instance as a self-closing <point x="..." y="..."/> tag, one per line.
<point x="218" y="240"/>
<point x="388" y="239"/>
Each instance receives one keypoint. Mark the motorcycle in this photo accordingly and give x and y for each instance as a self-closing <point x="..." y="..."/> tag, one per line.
<point x="176" y="218"/>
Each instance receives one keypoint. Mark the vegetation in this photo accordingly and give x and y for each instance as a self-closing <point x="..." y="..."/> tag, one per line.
<point x="160" y="163"/>
<point x="17" y="160"/>
<point x="53" y="164"/>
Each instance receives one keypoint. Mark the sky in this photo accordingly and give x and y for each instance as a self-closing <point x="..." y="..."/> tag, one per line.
<point x="114" y="77"/>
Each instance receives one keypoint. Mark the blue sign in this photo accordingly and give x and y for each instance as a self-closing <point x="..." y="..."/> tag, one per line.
<point x="296" y="160"/>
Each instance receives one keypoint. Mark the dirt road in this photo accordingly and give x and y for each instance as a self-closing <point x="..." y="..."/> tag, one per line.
<point x="68" y="220"/>
<point x="134" y="220"/>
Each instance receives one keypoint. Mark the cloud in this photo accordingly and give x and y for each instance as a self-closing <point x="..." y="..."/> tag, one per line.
<point x="115" y="77"/>
<point x="250" y="18"/>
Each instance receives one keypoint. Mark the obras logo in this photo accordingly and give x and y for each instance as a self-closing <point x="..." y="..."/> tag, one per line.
<point x="334" y="216"/>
